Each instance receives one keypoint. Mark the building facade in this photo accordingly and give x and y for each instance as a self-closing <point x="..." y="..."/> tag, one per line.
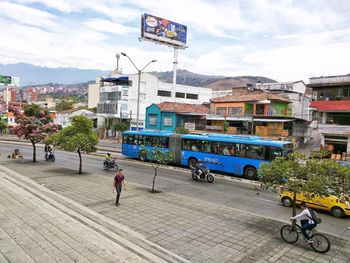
<point x="121" y="101"/>
<point x="297" y="93"/>
<point x="64" y="118"/>
<point x="331" y="111"/>
<point x="247" y="111"/>
<point x="168" y="116"/>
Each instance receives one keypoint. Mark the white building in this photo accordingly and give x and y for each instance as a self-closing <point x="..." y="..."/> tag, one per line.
<point x="64" y="118"/>
<point x="121" y="101"/>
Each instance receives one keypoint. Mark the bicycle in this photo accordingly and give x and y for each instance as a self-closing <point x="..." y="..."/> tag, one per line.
<point x="317" y="241"/>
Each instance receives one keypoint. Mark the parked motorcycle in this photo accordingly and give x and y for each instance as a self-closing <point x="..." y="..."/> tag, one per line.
<point x="204" y="175"/>
<point x="111" y="164"/>
<point x="50" y="156"/>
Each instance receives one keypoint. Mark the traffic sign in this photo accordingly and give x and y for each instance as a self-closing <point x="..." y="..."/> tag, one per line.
<point x="5" y="79"/>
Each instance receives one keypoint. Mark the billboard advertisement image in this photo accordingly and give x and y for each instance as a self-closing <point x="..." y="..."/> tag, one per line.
<point x="163" y="31"/>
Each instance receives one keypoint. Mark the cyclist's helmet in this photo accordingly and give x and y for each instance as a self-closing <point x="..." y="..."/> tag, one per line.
<point x="108" y="153"/>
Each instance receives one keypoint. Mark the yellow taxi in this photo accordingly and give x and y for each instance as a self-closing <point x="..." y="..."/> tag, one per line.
<point x="332" y="204"/>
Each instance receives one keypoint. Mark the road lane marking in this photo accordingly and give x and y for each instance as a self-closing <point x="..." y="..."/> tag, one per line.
<point x="267" y="200"/>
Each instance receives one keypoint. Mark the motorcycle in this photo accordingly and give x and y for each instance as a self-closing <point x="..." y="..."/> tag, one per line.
<point x="110" y="165"/>
<point x="49" y="156"/>
<point x="204" y="175"/>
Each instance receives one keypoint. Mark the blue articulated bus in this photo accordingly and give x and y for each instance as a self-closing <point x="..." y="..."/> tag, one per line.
<point x="235" y="154"/>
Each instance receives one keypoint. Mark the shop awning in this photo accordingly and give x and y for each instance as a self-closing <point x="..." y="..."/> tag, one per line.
<point x="272" y="120"/>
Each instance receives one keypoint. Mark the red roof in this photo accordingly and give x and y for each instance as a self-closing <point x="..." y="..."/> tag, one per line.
<point x="182" y="107"/>
<point x="332" y="105"/>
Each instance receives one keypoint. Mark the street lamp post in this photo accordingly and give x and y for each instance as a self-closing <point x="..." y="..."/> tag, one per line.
<point x="139" y="72"/>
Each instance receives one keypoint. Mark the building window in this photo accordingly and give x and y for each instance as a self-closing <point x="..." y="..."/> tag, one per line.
<point x="221" y="110"/>
<point x="168" y="121"/>
<point x="235" y="111"/>
<point x="191" y="96"/>
<point x="164" y="93"/>
<point x="346" y="92"/>
<point x="153" y="119"/>
<point x="180" y="95"/>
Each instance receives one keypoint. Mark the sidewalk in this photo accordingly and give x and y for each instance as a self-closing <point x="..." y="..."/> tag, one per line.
<point x="164" y="224"/>
<point x="102" y="147"/>
<point x="36" y="228"/>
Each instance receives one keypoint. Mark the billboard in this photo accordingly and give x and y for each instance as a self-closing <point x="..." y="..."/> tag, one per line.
<point x="163" y="31"/>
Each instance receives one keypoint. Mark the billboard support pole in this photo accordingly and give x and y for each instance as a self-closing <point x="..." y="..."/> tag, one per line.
<point x="7" y="97"/>
<point x="176" y="52"/>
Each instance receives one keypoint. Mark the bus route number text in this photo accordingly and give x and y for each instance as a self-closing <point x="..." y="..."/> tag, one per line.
<point x="211" y="160"/>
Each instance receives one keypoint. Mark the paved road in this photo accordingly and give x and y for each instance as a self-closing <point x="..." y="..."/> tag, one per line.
<point x="229" y="193"/>
<point x="165" y="224"/>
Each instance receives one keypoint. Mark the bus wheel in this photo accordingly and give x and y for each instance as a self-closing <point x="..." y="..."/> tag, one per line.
<point x="250" y="173"/>
<point x="143" y="157"/>
<point x="192" y="163"/>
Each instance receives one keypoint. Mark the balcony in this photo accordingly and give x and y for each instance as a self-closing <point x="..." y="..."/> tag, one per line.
<point x="334" y="129"/>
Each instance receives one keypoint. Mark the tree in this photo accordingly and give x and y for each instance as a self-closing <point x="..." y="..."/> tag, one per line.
<point x="226" y="126"/>
<point x="66" y="103"/>
<point x="182" y="130"/>
<point x="156" y="156"/>
<point x="120" y="126"/>
<point x="312" y="177"/>
<point x="34" y="124"/>
<point x="2" y="126"/>
<point x="78" y="137"/>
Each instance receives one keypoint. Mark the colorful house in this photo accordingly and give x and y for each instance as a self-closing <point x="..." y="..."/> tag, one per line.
<point x="170" y="115"/>
<point x="251" y="111"/>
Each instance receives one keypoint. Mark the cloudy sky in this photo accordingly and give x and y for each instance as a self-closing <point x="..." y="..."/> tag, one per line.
<point x="281" y="39"/>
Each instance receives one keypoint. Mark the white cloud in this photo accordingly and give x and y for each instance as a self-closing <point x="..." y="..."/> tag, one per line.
<point x="110" y="27"/>
<point x="285" y="40"/>
<point x="27" y="15"/>
<point x="61" y="5"/>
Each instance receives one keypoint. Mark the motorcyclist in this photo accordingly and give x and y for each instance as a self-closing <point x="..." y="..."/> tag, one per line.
<point x="200" y="168"/>
<point x="48" y="150"/>
<point x="108" y="158"/>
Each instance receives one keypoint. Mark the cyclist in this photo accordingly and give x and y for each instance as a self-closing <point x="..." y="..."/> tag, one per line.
<point x="306" y="224"/>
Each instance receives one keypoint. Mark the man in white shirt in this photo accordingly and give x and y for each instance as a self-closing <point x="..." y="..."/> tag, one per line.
<point x="306" y="224"/>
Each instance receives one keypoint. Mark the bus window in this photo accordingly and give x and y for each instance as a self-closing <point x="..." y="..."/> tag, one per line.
<point x="128" y="139"/>
<point x="192" y="145"/>
<point x="153" y="141"/>
<point x="224" y="148"/>
<point x="163" y="142"/>
<point x="206" y="146"/>
<point x="275" y="152"/>
<point x="138" y="140"/>
<point x="256" y="152"/>
<point x="240" y="150"/>
<point x="214" y="147"/>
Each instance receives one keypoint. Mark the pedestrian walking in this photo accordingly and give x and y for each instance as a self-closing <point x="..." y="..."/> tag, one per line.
<point x="118" y="184"/>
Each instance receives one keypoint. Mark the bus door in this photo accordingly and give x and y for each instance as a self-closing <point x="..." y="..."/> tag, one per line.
<point x="127" y="147"/>
<point x="137" y="142"/>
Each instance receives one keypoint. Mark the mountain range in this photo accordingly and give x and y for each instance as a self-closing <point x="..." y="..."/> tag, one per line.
<point x="35" y="75"/>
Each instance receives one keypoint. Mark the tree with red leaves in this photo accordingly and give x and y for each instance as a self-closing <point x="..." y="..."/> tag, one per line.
<point x="33" y="124"/>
